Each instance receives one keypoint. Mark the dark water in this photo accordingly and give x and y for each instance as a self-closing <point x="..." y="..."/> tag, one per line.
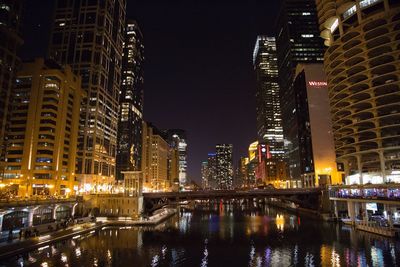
<point x="222" y="235"/>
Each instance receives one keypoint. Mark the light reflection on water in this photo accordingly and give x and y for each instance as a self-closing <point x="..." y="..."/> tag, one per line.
<point x="222" y="234"/>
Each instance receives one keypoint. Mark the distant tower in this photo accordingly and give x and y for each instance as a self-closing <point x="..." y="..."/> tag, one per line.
<point x="212" y="171"/>
<point x="269" y="122"/>
<point x="204" y="174"/>
<point x="177" y="137"/>
<point x="224" y="166"/>
<point x="129" y="147"/>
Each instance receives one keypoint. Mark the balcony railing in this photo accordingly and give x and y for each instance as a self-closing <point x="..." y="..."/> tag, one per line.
<point x="373" y="192"/>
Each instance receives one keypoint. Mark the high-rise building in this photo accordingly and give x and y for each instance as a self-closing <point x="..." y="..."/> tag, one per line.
<point x="313" y="154"/>
<point x="297" y="41"/>
<point x="224" y="166"/>
<point x="363" y="72"/>
<point x="42" y="138"/>
<point x="212" y="171"/>
<point x="252" y="165"/>
<point x="10" y="41"/>
<point x="129" y="146"/>
<point x="177" y="138"/>
<point x="269" y="123"/>
<point x="89" y="36"/>
<point x="155" y="159"/>
<point x="269" y="171"/>
<point x="173" y="168"/>
<point x="242" y="175"/>
<point x="204" y="175"/>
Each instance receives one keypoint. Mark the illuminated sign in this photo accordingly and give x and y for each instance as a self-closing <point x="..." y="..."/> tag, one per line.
<point x="317" y="83"/>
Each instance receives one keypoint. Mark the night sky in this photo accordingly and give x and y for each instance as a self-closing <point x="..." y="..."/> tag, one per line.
<point x="198" y="70"/>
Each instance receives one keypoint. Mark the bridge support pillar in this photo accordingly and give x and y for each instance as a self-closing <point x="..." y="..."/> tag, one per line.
<point x="351" y="210"/>
<point x="388" y="215"/>
<point x="54" y="212"/>
<point x="335" y="209"/>
<point x="30" y="216"/>
<point x="364" y="213"/>
<point x="1" y="222"/>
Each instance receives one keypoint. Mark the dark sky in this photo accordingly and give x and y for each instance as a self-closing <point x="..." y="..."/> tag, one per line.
<point x="198" y="69"/>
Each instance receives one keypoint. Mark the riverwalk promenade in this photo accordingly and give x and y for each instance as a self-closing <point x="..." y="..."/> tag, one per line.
<point x="18" y="246"/>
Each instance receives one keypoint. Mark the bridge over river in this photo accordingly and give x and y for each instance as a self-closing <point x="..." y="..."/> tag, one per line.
<point x="302" y="196"/>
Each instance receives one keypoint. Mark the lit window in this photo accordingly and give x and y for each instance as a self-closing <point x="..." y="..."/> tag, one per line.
<point x="367" y="3"/>
<point x="349" y="12"/>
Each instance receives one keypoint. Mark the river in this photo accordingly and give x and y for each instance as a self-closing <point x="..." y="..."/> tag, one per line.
<point x="230" y="234"/>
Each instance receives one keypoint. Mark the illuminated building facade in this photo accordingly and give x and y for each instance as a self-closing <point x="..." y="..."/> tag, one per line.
<point x="155" y="159"/>
<point x="363" y="73"/>
<point x="313" y="155"/>
<point x="89" y="36"/>
<point x="297" y="41"/>
<point x="173" y="165"/>
<point x="129" y="146"/>
<point x="204" y="175"/>
<point x="42" y="138"/>
<point x="269" y="123"/>
<point x="177" y="139"/>
<point x="212" y="170"/>
<point x="159" y="163"/>
<point x="242" y="172"/>
<point x="269" y="171"/>
<point x="10" y="14"/>
<point x="224" y="166"/>
<point x="252" y="165"/>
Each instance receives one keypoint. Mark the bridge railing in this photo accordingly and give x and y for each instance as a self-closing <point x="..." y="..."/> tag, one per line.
<point x="4" y="203"/>
<point x="233" y="193"/>
<point x="373" y="192"/>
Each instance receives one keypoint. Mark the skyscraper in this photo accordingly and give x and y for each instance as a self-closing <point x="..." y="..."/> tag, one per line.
<point x="224" y="166"/>
<point x="269" y="123"/>
<point x="88" y="35"/>
<point x="363" y="73"/>
<point x="177" y="138"/>
<point x="10" y="16"/>
<point x="42" y="138"/>
<point x="204" y="175"/>
<point x="297" y="41"/>
<point x="129" y="147"/>
<point x="155" y="159"/>
<point x="212" y="171"/>
<point x="313" y="153"/>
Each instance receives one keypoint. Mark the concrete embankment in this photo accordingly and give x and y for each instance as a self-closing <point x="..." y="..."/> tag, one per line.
<point x="151" y="221"/>
<point x="17" y="247"/>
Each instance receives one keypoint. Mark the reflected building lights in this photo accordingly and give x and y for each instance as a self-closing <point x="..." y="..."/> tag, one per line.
<point x="155" y="261"/>
<point x="78" y="252"/>
<point x="64" y="258"/>
<point x="280" y="221"/>
<point x="204" y="261"/>
<point x="164" y="251"/>
<point x="309" y="259"/>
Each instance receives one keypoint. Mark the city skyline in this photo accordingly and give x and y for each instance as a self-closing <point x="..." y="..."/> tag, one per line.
<point x="187" y="133"/>
<point x="164" y="82"/>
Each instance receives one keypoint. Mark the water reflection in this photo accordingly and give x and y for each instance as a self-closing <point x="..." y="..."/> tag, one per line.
<point x="280" y="221"/>
<point x="241" y="233"/>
